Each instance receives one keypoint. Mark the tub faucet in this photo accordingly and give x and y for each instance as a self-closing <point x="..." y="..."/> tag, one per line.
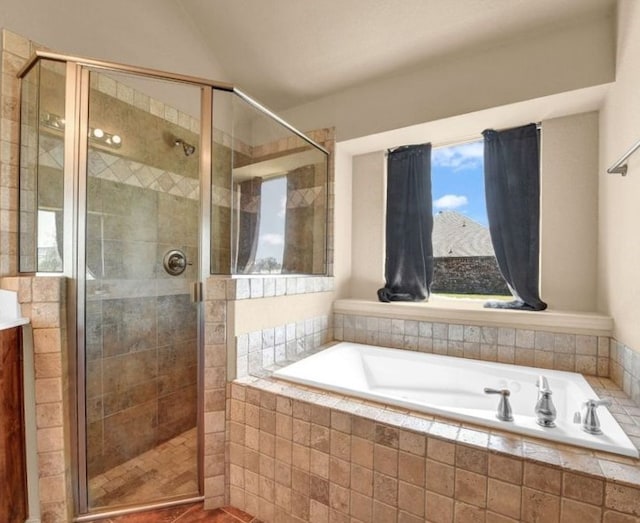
<point x="504" y="412"/>
<point x="591" y="423"/>
<point x="545" y="409"/>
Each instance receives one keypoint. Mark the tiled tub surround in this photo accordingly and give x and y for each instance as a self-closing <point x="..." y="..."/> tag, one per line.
<point x="624" y="368"/>
<point x="298" y="454"/>
<point x="574" y="352"/>
<point x="221" y="342"/>
<point x="261" y="349"/>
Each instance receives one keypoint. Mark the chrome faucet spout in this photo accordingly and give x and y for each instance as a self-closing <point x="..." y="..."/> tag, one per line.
<point x="542" y="384"/>
<point x="545" y="409"/>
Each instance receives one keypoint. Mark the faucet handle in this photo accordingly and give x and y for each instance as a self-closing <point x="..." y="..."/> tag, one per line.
<point x="591" y="422"/>
<point x="597" y="403"/>
<point x="504" y="412"/>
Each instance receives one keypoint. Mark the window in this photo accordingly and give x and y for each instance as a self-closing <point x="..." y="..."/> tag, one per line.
<point x="49" y="259"/>
<point x="464" y="260"/>
<point x="273" y="204"/>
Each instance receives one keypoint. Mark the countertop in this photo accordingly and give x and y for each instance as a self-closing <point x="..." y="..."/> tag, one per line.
<point x="10" y="315"/>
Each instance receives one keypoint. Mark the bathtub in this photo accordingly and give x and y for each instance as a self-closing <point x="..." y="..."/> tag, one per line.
<point x="454" y="388"/>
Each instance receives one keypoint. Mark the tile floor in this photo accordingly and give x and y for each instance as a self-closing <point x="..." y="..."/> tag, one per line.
<point x="165" y="471"/>
<point x="191" y="513"/>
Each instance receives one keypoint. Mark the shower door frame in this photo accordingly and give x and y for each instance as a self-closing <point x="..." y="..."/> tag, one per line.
<point x="76" y="143"/>
<point x="204" y="246"/>
<point x="76" y="115"/>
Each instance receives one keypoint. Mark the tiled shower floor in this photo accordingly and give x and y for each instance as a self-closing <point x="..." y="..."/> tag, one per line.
<point x="167" y="470"/>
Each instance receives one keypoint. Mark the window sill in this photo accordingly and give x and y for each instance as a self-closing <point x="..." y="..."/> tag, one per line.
<point x="456" y="310"/>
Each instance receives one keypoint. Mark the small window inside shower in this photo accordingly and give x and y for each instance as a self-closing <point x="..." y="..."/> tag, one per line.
<point x="271" y="236"/>
<point x="49" y="223"/>
<point x="42" y="131"/>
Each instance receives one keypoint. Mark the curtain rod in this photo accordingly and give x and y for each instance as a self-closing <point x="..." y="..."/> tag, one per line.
<point x="620" y="167"/>
<point x="465" y="140"/>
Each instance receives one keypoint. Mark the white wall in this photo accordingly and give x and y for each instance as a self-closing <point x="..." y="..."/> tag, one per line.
<point x="561" y="59"/>
<point x="619" y="223"/>
<point x="569" y="212"/>
<point x="141" y="32"/>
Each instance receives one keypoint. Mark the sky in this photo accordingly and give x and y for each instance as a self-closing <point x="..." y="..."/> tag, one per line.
<point x="272" y="213"/>
<point x="457" y="183"/>
<point x="457" y="180"/>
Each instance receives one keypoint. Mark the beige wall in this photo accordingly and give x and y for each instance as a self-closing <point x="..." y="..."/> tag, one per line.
<point x="342" y="222"/>
<point x="144" y="32"/>
<point x="568" y="216"/>
<point x="569" y="212"/>
<point x="253" y="315"/>
<point x="558" y="60"/>
<point x="368" y="211"/>
<point x="619" y="206"/>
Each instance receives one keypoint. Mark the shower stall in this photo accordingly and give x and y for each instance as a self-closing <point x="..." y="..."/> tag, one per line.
<point x="138" y="185"/>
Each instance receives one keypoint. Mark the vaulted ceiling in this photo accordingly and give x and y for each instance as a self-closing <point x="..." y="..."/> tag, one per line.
<point x="289" y="52"/>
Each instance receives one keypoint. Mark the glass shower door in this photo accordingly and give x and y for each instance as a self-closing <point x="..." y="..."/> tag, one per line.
<point x="141" y="251"/>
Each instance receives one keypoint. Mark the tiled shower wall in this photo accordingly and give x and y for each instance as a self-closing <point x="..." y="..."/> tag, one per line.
<point x="15" y="52"/>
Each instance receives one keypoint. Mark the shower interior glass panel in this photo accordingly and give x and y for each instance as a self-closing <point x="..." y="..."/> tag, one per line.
<point x="141" y="345"/>
<point x="256" y="230"/>
<point x="42" y="109"/>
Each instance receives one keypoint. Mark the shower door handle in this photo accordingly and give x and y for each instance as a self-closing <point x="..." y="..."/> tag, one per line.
<point x="197" y="292"/>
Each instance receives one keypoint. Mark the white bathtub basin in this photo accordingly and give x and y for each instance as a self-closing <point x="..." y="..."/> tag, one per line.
<point x="454" y="388"/>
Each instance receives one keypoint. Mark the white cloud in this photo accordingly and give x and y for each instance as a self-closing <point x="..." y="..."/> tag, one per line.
<point x="272" y="239"/>
<point x="282" y="212"/>
<point x="451" y="201"/>
<point x="459" y="157"/>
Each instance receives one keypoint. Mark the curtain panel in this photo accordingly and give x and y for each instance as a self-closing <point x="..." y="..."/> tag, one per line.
<point x="409" y="223"/>
<point x="249" y="224"/>
<point x="512" y="189"/>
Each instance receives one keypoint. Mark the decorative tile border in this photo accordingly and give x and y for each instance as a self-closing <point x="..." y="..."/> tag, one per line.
<point x="114" y="168"/>
<point x="534" y="348"/>
<point x="296" y="454"/>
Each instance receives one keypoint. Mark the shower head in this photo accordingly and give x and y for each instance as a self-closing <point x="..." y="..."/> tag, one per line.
<point x="186" y="147"/>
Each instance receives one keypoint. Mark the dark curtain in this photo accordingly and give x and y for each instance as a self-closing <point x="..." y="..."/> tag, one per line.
<point x="512" y="188"/>
<point x="409" y="253"/>
<point x="249" y="224"/>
